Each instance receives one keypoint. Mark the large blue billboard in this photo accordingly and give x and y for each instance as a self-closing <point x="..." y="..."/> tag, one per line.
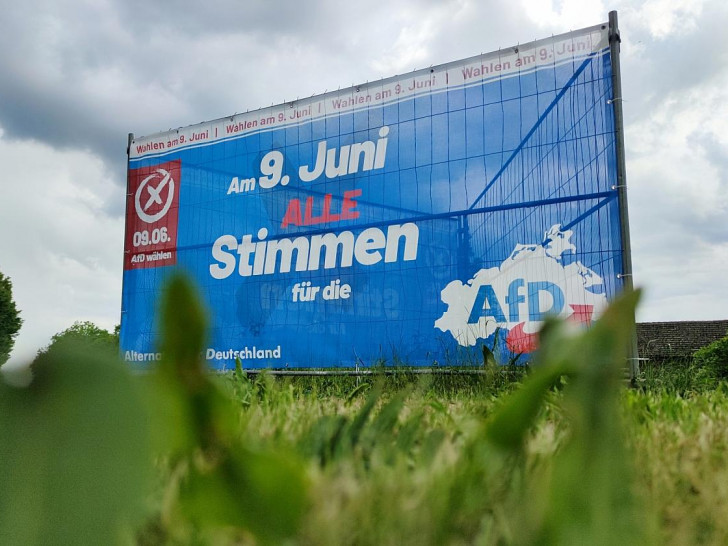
<point x="408" y="221"/>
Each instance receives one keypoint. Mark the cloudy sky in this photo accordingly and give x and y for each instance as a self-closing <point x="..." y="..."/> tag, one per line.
<point x="77" y="76"/>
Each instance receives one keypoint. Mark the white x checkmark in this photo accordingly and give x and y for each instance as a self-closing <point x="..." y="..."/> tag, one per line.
<point x="154" y="193"/>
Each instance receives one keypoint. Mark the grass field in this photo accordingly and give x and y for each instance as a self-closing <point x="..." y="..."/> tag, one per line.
<point x="563" y="453"/>
<point x="419" y="468"/>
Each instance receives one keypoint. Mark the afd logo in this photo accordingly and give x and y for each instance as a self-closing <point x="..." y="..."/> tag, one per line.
<point x="524" y="303"/>
<point x="537" y="298"/>
<point x="532" y="283"/>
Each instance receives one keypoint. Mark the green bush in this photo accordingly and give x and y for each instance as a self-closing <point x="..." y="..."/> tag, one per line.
<point x="714" y="357"/>
<point x="84" y="332"/>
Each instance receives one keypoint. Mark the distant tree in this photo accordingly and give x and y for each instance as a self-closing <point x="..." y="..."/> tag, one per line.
<point x="10" y="320"/>
<point x="86" y="333"/>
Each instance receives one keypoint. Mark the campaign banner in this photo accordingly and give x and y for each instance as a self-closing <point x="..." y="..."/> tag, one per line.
<point x="410" y="221"/>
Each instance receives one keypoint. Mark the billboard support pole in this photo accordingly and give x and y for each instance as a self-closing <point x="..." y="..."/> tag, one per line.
<point x="130" y="139"/>
<point x="621" y="186"/>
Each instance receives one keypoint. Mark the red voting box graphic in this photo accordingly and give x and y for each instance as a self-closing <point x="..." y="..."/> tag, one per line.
<point x="152" y="212"/>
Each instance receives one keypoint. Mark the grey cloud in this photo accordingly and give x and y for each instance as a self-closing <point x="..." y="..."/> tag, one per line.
<point x="714" y="151"/>
<point x="655" y="70"/>
<point x="190" y="17"/>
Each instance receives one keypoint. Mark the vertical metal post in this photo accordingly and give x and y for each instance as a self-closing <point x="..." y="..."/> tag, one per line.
<point x="616" y="101"/>
<point x="130" y="139"/>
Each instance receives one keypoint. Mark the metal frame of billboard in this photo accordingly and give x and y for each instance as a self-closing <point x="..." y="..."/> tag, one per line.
<point x="461" y="217"/>
<point x="621" y="186"/>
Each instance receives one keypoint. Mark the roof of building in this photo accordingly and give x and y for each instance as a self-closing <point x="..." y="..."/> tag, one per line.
<point x="664" y="340"/>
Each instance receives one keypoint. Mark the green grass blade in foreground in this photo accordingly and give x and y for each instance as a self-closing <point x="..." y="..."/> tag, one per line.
<point x="511" y="425"/>
<point x="75" y="459"/>
<point x="584" y="496"/>
<point x="227" y="483"/>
